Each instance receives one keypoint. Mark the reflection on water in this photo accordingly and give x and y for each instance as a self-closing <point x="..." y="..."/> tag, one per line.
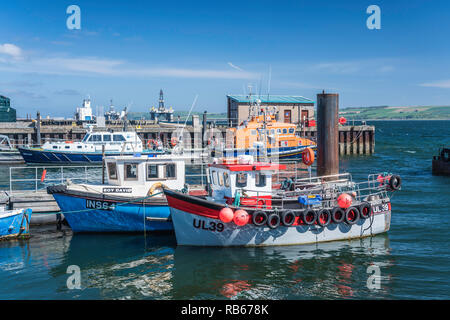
<point x="413" y="259"/>
<point x="131" y="266"/>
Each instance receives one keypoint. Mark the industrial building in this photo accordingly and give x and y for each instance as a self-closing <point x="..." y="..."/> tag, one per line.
<point x="7" y="114"/>
<point x="290" y="109"/>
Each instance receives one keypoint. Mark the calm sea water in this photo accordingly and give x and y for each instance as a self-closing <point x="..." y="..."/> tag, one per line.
<point x="413" y="257"/>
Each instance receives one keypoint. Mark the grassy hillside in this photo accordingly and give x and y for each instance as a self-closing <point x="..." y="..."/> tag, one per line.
<point x="391" y="113"/>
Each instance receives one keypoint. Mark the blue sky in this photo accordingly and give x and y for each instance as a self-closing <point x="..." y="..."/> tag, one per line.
<point x="128" y="50"/>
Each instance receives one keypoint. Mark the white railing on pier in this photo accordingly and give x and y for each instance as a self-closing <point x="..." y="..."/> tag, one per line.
<point x="34" y="178"/>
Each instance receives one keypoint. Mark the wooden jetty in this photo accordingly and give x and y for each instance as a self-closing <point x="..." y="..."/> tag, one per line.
<point x="45" y="209"/>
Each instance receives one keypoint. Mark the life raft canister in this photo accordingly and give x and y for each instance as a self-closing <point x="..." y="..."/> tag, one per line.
<point x="308" y="156"/>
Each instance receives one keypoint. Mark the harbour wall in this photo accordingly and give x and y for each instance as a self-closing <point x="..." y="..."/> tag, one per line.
<point x="353" y="139"/>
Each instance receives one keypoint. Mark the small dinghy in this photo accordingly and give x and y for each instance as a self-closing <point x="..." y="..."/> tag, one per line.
<point x="245" y="209"/>
<point x="14" y="223"/>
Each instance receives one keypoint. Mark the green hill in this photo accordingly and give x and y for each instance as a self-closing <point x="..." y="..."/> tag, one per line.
<point x="393" y="113"/>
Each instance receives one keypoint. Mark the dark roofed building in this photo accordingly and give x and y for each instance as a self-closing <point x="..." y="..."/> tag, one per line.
<point x="7" y="114"/>
<point x="290" y="109"/>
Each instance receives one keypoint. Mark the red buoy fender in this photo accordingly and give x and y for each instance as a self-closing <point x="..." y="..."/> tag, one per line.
<point x="308" y="156"/>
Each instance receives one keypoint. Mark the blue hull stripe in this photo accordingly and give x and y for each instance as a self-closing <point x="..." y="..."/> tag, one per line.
<point x="127" y="217"/>
<point x="46" y="156"/>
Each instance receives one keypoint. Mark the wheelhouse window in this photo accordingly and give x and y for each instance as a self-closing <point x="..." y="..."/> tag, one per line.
<point x="95" y="138"/>
<point x="107" y="138"/>
<point x="260" y="180"/>
<point x="118" y="138"/>
<point x="170" y="171"/>
<point x="86" y="137"/>
<point x="112" y="171"/>
<point x="241" y="180"/>
<point x="291" y="130"/>
<point x="131" y="171"/>
<point x="152" y="171"/>
<point x="226" y="177"/>
<point x="220" y="178"/>
<point x="284" y="130"/>
<point x="214" y="177"/>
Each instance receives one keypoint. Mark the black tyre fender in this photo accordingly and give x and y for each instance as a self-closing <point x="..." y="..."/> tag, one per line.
<point x="259" y="218"/>
<point x="365" y="209"/>
<point x="311" y="214"/>
<point x="348" y="212"/>
<point x="273" y="220"/>
<point x="395" y="182"/>
<point x="288" y="218"/>
<point x="327" y="214"/>
<point x="337" y="215"/>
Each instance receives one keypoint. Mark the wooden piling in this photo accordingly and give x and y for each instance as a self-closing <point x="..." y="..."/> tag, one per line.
<point x="327" y="134"/>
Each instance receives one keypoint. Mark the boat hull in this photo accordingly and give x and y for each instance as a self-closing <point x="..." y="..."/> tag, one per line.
<point x="15" y="224"/>
<point x="199" y="226"/>
<point x="88" y="213"/>
<point x="32" y="155"/>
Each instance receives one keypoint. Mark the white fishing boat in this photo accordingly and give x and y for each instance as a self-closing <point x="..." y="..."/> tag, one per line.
<point x="245" y="209"/>
<point x="130" y="201"/>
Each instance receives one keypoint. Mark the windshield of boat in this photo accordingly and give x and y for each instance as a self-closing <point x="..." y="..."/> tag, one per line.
<point x="86" y="137"/>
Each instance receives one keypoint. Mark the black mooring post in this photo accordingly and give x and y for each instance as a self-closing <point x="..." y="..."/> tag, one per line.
<point x="327" y="134"/>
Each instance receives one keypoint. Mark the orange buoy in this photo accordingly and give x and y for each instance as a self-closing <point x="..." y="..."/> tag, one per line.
<point x="44" y="173"/>
<point x="226" y="215"/>
<point x="308" y="156"/>
<point x="342" y="120"/>
<point x="240" y="217"/>
<point x="344" y="200"/>
<point x="173" y="141"/>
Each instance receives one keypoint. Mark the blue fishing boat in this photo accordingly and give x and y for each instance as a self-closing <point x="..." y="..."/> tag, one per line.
<point x="130" y="201"/>
<point x="14" y="223"/>
<point x="89" y="150"/>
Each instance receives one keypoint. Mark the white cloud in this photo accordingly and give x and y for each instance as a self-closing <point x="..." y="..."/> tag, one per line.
<point x="88" y="66"/>
<point x="11" y="50"/>
<point x="437" y="84"/>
